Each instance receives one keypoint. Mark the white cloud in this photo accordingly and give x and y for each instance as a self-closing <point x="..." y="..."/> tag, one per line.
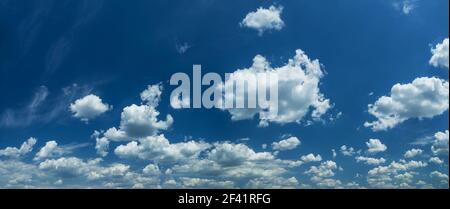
<point x="413" y="153"/>
<point x="435" y="160"/>
<point x="440" y="144"/>
<point x="228" y="154"/>
<point x="298" y="91"/>
<point x="151" y="169"/>
<point x="235" y="161"/>
<point x="101" y="144"/>
<point x="333" y="152"/>
<point x="88" y="107"/>
<point x="14" y="152"/>
<point x="375" y="145"/>
<point x="391" y="176"/>
<point x="347" y="151"/>
<point x="152" y="95"/>
<point x="441" y="176"/>
<point x="311" y="158"/>
<point x="50" y="149"/>
<point x="286" y="144"/>
<point x="273" y="183"/>
<point x="423" y="98"/>
<point x="139" y="121"/>
<point x="324" y="170"/>
<point x="264" y="19"/>
<point x="440" y="55"/>
<point x="370" y="160"/>
<point x="205" y="183"/>
<point x="160" y="149"/>
<point x="321" y="175"/>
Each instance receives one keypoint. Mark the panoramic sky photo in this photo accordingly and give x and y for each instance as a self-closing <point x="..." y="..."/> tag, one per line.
<point x="346" y="94"/>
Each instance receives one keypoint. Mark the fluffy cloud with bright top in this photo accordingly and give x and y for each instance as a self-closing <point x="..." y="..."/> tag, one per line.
<point x="299" y="94"/>
<point x="440" y="55"/>
<point x="88" y="107"/>
<point x="264" y="19"/>
<point x="423" y="98"/>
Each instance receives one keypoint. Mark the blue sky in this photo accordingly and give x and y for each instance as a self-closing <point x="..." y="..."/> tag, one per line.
<point x="55" y="53"/>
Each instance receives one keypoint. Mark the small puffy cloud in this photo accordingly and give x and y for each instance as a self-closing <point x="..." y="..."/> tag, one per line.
<point x="347" y="151"/>
<point x="151" y="169"/>
<point x="311" y="158"/>
<point x="88" y="107"/>
<point x="299" y="96"/>
<point x="423" y="98"/>
<point x="440" y="55"/>
<point x="286" y="144"/>
<point x="50" y="149"/>
<point x="139" y="121"/>
<point x="264" y="19"/>
<point x="142" y="120"/>
<point x="152" y="95"/>
<point x="375" y="146"/>
<point x="413" y="153"/>
<point x="440" y="143"/>
<point x="370" y="160"/>
<point x="435" y="160"/>
<point x="14" y="152"/>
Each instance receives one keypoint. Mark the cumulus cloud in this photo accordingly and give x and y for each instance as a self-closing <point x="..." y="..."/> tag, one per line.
<point x="298" y="91"/>
<point x="394" y="174"/>
<point x="440" y="143"/>
<point x="441" y="176"/>
<point x="50" y="149"/>
<point x="375" y="146"/>
<point x="321" y="175"/>
<point x="440" y="55"/>
<point x="311" y="158"/>
<point x="151" y="169"/>
<point x="347" y="151"/>
<point x="139" y="121"/>
<point x="159" y="148"/>
<point x="286" y="144"/>
<point x="435" y="160"/>
<point x="273" y="183"/>
<point x="264" y="19"/>
<point x="142" y="120"/>
<point x="237" y="162"/>
<point x="14" y="152"/>
<point x="423" y="98"/>
<point x="88" y="107"/>
<point x="101" y="144"/>
<point x="370" y="160"/>
<point x="413" y="153"/>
